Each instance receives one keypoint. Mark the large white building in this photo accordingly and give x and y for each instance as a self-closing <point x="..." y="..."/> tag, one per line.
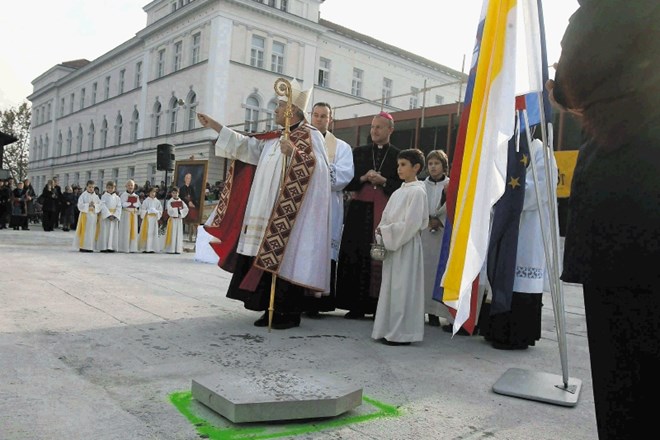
<point x="103" y="120"/>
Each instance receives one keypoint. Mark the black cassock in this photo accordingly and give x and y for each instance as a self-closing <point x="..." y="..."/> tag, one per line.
<point x="358" y="277"/>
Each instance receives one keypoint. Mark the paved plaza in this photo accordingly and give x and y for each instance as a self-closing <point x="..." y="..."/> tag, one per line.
<point x="105" y="346"/>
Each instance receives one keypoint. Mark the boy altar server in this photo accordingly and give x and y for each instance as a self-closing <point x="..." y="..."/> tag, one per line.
<point x="108" y="236"/>
<point x="89" y="206"/>
<point x="128" y="226"/>
<point x="400" y="311"/>
<point x="177" y="211"/>
<point x="150" y="211"/>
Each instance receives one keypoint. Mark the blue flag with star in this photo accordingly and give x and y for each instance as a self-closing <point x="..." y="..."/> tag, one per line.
<point x="503" y="242"/>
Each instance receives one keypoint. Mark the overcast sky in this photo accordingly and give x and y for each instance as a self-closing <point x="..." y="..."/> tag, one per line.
<point x="39" y="34"/>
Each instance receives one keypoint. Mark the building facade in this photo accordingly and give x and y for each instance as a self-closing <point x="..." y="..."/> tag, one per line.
<point x="102" y="120"/>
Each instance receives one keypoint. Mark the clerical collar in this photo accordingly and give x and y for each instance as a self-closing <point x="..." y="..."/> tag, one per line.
<point x="439" y="180"/>
<point x="381" y="147"/>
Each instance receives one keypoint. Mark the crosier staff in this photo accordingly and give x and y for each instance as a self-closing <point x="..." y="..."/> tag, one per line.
<point x="282" y="88"/>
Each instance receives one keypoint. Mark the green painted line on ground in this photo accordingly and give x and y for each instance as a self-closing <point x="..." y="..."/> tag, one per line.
<point x="183" y="401"/>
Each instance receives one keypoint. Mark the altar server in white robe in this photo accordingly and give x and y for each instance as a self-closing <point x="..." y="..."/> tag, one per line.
<point x="150" y="212"/>
<point x="128" y="226"/>
<point x="400" y="312"/>
<point x="177" y="210"/>
<point x="110" y="215"/>
<point x="435" y="185"/>
<point x="89" y="206"/>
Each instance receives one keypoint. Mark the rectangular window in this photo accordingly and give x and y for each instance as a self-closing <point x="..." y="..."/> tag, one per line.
<point x="95" y="87"/>
<point x="284" y="5"/>
<point x="138" y="74"/>
<point x="115" y="175"/>
<point x="130" y="173"/>
<point x="387" y="91"/>
<point x="62" y="107"/>
<point x="82" y="98"/>
<point x="106" y="89"/>
<point x="99" y="181"/>
<point x="88" y="177"/>
<point x="324" y="73"/>
<point x="356" y="85"/>
<point x="76" y="178"/>
<point x="177" y="56"/>
<point x="122" y="78"/>
<point x="414" y="91"/>
<point x="439" y="100"/>
<point x="73" y="98"/>
<point x="161" y="63"/>
<point x="277" y="57"/>
<point x="257" y="51"/>
<point x="196" y="41"/>
<point x="48" y="115"/>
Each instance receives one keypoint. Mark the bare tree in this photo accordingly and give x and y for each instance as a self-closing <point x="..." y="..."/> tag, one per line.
<point x="16" y="122"/>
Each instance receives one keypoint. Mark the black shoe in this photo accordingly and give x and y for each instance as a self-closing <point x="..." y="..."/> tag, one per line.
<point x="354" y="315"/>
<point x="86" y="250"/>
<point x="394" y="343"/>
<point x="502" y="346"/>
<point x="434" y="320"/>
<point x="286" y="322"/>
<point x="262" y="321"/>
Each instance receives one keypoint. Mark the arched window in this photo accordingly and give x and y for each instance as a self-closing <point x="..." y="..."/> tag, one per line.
<point x="119" y="124"/>
<point x="79" y="139"/>
<point x="251" y="114"/>
<point x="157" y="114"/>
<point x="191" y="102"/>
<point x="135" y="120"/>
<point x="59" y="143"/>
<point x="69" y="141"/>
<point x="104" y="133"/>
<point x="90" y="136"/>
<point x="173" y="111"/>
<point x="270" y="115"/>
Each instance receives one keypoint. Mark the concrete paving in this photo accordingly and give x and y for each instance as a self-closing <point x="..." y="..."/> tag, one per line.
<point x="93" y="346"/>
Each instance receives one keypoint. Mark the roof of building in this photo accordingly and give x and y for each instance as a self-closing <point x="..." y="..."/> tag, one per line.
<point x="389" y="48"/>
<point x="75" y="64"/>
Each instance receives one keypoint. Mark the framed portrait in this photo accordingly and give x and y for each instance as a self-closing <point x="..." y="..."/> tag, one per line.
<point x="190" y="177"/>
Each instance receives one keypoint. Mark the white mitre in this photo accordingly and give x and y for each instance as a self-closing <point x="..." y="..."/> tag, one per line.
<point x="299" y="97"/>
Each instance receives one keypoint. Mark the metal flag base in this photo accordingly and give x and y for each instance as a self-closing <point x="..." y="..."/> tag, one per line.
<point x="544" y="387"/>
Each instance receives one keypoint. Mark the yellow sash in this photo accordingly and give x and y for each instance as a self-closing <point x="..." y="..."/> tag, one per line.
<point x="145" y="228"/>
<point x="82" y="222"/>
<point x="168" y="234"/>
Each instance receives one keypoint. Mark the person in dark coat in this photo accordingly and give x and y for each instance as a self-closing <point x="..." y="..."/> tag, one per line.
<point x="375" y="179"/>
<point x="58" y="191"/>
<point x="19" y="217"/>
<point x="48" y="200"/>
<point x="68" y="203"/>
<point x="5" y="203"/>
<point x="609" y="74"/>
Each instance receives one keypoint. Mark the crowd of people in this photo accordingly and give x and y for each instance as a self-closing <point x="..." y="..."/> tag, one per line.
<point x="146" y="219"/>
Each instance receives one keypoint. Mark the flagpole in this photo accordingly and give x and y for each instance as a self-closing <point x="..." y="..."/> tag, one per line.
<point x="558" y="301"/>
<point x="551" y="258"/>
